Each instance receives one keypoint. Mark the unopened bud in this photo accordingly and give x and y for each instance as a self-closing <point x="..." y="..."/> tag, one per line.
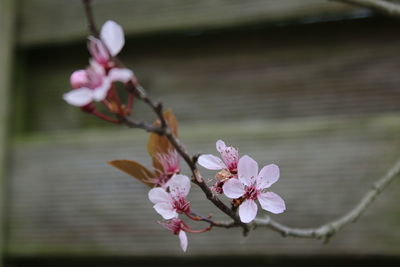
<point x="79" y="79"/>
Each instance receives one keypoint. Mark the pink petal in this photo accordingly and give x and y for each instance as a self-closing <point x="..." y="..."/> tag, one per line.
<point x="100" y="92"/>
<point x="97" y="68"/>
<point x="183" y="240"/>
<point x="179" y="185"/>
<point x="166" y="210"/>
<point x="112" y="35"/>
<point x="158" y="195"/>
<point x="79" y="79"/>
<point x="272" y="202"/>
<point x="247" y="170"/>
<point x="267" y="176"/>
<point x="220" y="145"/>
<point x="120" y="75"/>
<point x="98" y="51"/>
<point x="247" y="211"/>
<point x="211" y="162"/>
<point x="233" y="188"/>
<point x="79" y="97"/>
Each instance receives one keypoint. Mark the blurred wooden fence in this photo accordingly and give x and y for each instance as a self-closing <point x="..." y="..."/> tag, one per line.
<point x="319" y="99"/>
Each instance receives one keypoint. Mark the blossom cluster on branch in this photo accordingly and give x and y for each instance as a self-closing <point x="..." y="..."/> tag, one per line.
<point x="237" y="178"/>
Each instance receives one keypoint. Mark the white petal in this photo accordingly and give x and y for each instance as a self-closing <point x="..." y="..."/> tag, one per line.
<point x="220" y="145"/>
<point x="165" y="210"/>
<point x="157" y="195"/>
<point x="179" y="185"/>
<point x="79" y="97"/>
<point x="211" y="162"/>
<point x="267" y="176"/>
<point x="183" y="240"/>
<point x="247" y="170"/>
<point x="98" y="50"/>
<point x="120" y="75"/>
<point x="247" y="211"/>
<point x="97" y="68"/>
<point x="272" y="202"/>
<point x="112" y="35"/>
<point x="233" y="188"/>
<point x="100" y="93"/>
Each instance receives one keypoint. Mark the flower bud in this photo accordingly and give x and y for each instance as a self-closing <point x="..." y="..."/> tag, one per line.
<point x="79" y="79"/>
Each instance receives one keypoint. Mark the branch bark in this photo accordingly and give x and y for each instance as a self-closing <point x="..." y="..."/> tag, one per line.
<point x="323" y="232"/>
<point x="384" y="6"/>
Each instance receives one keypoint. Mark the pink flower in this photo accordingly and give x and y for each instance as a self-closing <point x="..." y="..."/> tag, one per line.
<point x="93" y="84"/>
<point x="177" y="227"/>
<point x="171" y="201"/>
<point x="170" y="166"/>
<point x="250" y="186"/>
<point x="229" y="155"/>
<point x="110" y="43"/>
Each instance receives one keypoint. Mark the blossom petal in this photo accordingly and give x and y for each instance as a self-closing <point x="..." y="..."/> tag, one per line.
<point x="272" y="202"/>
<point x="112" y="35"/>
<point x="100" y="92"/>
<point x="247" y="170"/>
<point x="159" y="195"/>
<point x="179" y="185"/>
<point x="267" y="176"/>
<point x="211" y="162"/>
<point x="166" y="210"/>
<point x="248" y="211"/>
<point x="98" y="51"/>
<point x="233" y="188"/>
<point x="120" y="75"/>
<point x="183" y="240"/>
<point x="220" y="145"/>
<point x="79" y="97"/>
<point x="79" y="79"/>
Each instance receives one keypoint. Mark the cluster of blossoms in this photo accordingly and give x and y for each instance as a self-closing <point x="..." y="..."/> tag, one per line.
<point x="237" y="177"/>
<point x="240" y="181"/>
<point x="96" y="83"/>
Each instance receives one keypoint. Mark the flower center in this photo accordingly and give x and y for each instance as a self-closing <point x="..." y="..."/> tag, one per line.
<point x="181" y="205"/>
<point x="251" y="193"/>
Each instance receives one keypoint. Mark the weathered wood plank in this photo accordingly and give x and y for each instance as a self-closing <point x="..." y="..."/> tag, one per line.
<point x="344" y="68"/>
<point x="47" y="21"/>
<point x="66" y="200"/>
<point x="7" y="18"/>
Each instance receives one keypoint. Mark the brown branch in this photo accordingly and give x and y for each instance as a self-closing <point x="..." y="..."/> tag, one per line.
<point x="190" y="161"/>
<point x="90" y="18"/>
<point x="383" y="6"/>
<point x="323" y="232"/>
<point x="327" y="230"/>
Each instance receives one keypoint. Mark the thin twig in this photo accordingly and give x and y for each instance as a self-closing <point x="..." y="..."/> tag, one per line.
<point x="90" y="18"/>
<point x="387" y="7"/>
<point x="327" y="230"/>
<point x="323" y="232"/>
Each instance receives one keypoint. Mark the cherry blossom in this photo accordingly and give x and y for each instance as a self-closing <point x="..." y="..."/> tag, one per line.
<point x="110" y="43"/>
<point x="94" y="83"/>
<point x="170" y="165"/>
<point x="229" y="155"/>
<point x="177" y="226"/>
<point x="250" y="186"/>
<point x="171" y="200"/>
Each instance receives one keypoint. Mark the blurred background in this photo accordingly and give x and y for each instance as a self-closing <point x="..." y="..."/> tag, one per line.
<point x="310" y="85"/>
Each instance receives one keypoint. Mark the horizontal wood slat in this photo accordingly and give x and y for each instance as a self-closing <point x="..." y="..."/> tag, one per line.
<point x="48" y="21"/>
<point x="66" y="200"/>
<point x="333" y="69"/>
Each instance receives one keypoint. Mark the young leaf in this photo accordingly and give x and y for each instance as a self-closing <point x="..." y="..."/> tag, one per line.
<point x="134" y="169"/>
<point x="160" y="144"/>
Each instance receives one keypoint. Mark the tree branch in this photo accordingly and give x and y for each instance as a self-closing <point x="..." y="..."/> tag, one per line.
<point x="323" y="232"/>
<point x="327" y="230"/>
<point x="384" y="6"/>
